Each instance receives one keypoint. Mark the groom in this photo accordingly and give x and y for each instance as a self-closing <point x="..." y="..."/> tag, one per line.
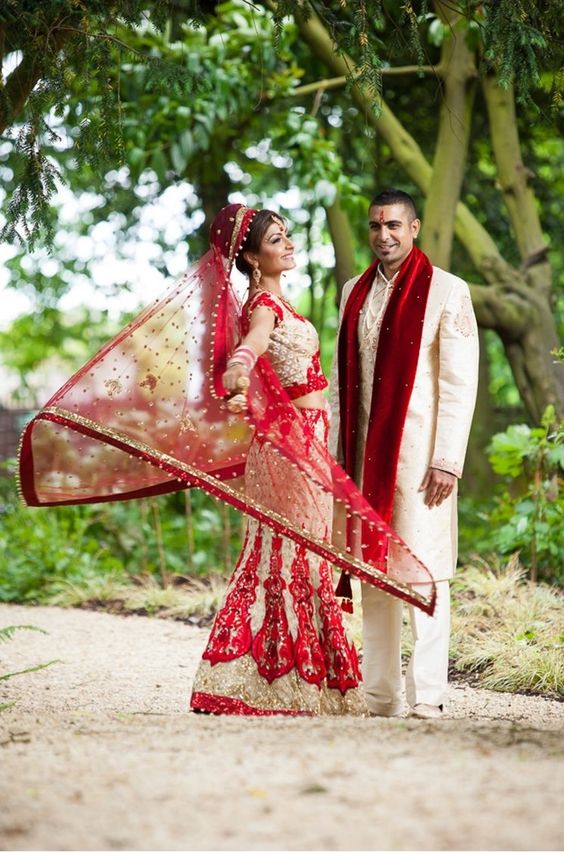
<point x="406" y="368"/>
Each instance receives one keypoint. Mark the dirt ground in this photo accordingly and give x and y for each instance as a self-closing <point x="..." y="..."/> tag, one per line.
<point x="100" y="753"/>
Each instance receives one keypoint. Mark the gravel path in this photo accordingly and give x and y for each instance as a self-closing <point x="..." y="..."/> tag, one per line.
<point x="99" y="753"/>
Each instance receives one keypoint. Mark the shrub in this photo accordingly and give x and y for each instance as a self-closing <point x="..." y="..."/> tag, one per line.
<point x="187" y="533"/>
<point x="529" y="514"/>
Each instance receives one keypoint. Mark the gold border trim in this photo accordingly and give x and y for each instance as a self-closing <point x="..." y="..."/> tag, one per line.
<point x="219" y="485"/>
<point x="239" y="216"/>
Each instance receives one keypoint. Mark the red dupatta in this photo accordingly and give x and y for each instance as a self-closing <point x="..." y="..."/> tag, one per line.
<point x="394" y="373"/>
<point x="147" y="415"/>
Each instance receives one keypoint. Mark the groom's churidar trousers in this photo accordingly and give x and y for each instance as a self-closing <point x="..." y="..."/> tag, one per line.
<point x="427" y="673"/>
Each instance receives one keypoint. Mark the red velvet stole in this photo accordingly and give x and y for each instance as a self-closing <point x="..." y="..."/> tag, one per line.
<point x="394" y="374"/>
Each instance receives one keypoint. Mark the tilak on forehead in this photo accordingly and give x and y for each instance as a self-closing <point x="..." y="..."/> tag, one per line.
<point x="381" y="216"/>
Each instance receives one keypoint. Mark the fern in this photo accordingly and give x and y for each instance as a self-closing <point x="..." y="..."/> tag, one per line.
<point x="28" y="670"/>
<point x="518" y="34"/>
<point x="7" y="633"/>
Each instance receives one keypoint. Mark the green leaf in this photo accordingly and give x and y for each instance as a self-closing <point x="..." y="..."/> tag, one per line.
<point x="178" y="158"/>
<point x="159" y="164"/>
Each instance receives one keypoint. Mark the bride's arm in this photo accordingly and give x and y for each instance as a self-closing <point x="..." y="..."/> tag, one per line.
<point x="256" y="340"/>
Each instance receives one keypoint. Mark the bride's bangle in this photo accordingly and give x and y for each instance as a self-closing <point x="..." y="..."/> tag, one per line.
<point x="244" y="356"/>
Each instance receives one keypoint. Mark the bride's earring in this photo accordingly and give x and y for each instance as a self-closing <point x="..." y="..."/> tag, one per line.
<point x="257" y="275"/>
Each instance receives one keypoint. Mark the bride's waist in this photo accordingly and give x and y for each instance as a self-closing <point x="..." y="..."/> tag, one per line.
<point x="313" y="399"/>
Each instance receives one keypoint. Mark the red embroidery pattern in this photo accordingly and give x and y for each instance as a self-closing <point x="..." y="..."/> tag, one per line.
<point x="203" y="702"/>
<point x="317" y="652"/>
<point x="341" y="659"/>
<point x="310" y="660"/>
<point x="315" y="379"/>
<point x="264" y="299"/>
<point x="273" y="648"/>
<point x="280" y="616"/>
<point x="231" y="632"/>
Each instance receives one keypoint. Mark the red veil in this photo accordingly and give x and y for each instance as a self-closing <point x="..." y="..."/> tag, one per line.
<point x="147" y="415"/>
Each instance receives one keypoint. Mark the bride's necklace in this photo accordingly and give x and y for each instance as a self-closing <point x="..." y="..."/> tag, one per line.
<point x="257" y="288"/>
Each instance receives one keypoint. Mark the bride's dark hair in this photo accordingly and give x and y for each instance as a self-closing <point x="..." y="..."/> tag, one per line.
<point x="257" y="229"/>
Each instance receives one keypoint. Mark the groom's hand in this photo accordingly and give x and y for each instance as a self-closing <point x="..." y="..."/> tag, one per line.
<point x="438" y="486"/>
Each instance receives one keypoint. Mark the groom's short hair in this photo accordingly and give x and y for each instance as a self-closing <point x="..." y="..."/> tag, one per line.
<point x="395" y="196"/>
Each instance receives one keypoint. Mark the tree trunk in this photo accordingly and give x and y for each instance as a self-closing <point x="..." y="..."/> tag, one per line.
<point x="311" y="270"/>
<point x="514" y="179"/>
<point x="343" y="245"/>
<point x="458" y="69"/>
<point x="213" y="190"/>
<point x="539" y="378"/>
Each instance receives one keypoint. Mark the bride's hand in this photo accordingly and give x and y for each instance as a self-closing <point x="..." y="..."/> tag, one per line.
<point x="238" y="401"/>
<point x="233" y="376"/>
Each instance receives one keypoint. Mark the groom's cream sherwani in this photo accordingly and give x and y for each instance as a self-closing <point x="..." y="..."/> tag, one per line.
<point x="438" y="418"/>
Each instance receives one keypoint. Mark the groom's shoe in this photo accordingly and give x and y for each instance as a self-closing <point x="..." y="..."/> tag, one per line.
<point x="427" y="711"/>
<point x="401" y="714"/>
<point x="388" y="711"/>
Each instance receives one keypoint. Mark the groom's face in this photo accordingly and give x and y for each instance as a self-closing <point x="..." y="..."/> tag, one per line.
<point x="391" y="232"/>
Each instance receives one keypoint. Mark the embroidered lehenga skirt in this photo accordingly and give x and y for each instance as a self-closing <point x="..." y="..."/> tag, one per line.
<point x="278" y="643"/>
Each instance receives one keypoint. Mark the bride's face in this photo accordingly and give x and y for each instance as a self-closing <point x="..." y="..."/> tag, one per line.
<point x="276" y="251"/>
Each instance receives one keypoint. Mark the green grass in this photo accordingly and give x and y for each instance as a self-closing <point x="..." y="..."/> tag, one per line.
<point x="195" y="598"/>
<point x="184" y="599"/>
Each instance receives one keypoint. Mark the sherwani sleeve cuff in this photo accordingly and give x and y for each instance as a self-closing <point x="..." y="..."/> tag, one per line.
<point x="447" y="466"/>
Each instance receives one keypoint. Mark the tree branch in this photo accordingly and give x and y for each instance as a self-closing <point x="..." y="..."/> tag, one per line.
<point x="436" y="70"/>
<point x="339" y="82"/>
<point x="319" y="85"/>
<point x="514" y="179"/>
<point x="19" y="86"/>
<point x="496" y="309"/>
<point x="105" y="37"/>
<point x="22" y="80"/>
